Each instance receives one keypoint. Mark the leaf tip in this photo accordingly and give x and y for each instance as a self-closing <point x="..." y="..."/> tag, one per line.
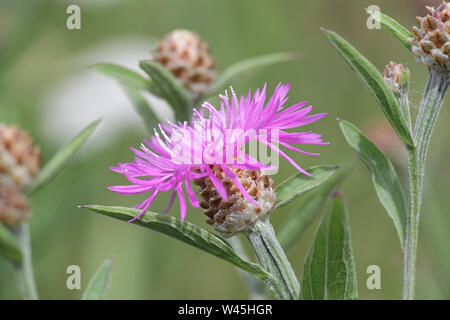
<point x="292" y="55"/>
<point x="342" y="122"/>
<point x="142" y="63"/>
<point x="95" y="123"/>
<point x="329" y="33"/>
<point x="97" y="66"/>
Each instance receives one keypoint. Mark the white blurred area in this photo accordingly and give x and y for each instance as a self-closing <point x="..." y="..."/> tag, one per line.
<point x="86" y="95"/>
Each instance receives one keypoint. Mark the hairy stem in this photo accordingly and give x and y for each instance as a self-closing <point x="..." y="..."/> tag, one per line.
<point x="403" y="101"/>
<point x="272" y="257"/>
<point x="412" y="227"/>
<point x="432" y="99"/>
<point x="24" y="269"/>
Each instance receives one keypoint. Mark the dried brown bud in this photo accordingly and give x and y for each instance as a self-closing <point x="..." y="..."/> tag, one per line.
<point x="20" y="159"/>
<point x="14" y="206"/>
<point x="431" y="42"/>
<point x="236" y="213"/>
<point x="396" y="75"/>
<point x="184" y="54"/>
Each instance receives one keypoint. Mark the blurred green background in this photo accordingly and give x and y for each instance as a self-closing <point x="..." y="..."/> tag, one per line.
<point x="47" y="89"/>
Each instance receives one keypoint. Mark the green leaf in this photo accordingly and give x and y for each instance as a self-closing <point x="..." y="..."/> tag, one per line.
<point x="385" y="180"/>
<point x="171" y="89"/>
<point x="126" y="76"/>
<point x="9" y="246"/>
<point x="99" y="284"/>
<point x="245" y="67"/>
<point x="374" y="81"/>
<point x="300" y="183"/>
<point x="305" y="212"/>
<point x="143" y="109"/>
<point x="133" y="83"/>
<point x="60" y="160"/>
<point x="329" y="269"/>
<point x="185" y="232"/>
<point x="393" y="27"/>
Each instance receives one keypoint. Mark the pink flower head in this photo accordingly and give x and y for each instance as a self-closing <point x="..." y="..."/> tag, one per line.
<point x="180" y="153"/>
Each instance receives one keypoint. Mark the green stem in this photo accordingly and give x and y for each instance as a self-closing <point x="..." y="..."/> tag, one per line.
<point x="412" y="227"/>
<point x="24" y="269"/>
<point x="403" y="101"/>
<point x="272" y="257"/>
<point x="431" y="104"/>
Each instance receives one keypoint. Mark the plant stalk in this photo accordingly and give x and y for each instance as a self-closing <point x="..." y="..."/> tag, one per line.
<point x="24" y="269"/>
<point x="272" y="257"/>
<point x="430" y="106"/>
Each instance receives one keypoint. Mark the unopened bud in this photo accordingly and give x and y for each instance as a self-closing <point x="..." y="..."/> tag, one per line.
<point x="20" y="159"/>
<point x="14" y="205"/>
<point x="397" y="76"/>
<point x="184" y="54"/>
<point x="236" y="213"/>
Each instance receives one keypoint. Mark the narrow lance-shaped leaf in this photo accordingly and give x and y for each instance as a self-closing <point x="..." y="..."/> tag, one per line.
<point x="248" y="66"/>
<point x="9" y="246"/>
<point x="133" y="83"/>
<point x="126" y="76"/>
<point x="298" y="184"/>
<point x="61" y="158"/>
<point x="305" y="212"/>
<point x="185" y="232"/>
<point x="171" y="89"/>
<point x="329" y="269"/>
<point x="99" y="284"/>
<point x="374" y="81"/>
<point x="143" y="109"/>
<point x="384" y="177"/>
<point x="393" y="27"/>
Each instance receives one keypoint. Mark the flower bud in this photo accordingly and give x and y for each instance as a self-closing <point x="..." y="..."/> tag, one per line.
<point x="236" y="213"/>
<point x="14" y="206"/>
<point x="184" y="54"/>
<point x="20" y="159"/>
<point x="397" y="76"/>
<point x="431" y="44"/>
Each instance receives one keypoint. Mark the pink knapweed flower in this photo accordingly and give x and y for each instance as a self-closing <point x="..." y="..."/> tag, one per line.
<point x="210" y="151"/>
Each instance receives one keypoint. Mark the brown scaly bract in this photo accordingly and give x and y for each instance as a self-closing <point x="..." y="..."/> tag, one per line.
<point x="431" y="43"/>
<point x="14" y="205"/>
<point x="184" y="54"/>
<point x="394" y="76"/>
<point x="20" y="162"/>
<point x="233" y="215"/>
